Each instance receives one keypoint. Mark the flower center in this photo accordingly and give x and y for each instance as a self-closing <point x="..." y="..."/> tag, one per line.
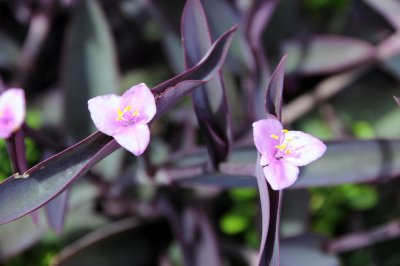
<point x="127" y="115"/>
<point x="283" y="148"/>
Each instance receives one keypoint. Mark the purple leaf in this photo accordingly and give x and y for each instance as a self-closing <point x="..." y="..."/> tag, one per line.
<point x="306" y="250"/>
<point x="210" y="99"/>
<point x="361" y="161"/>
<point x="222" y="15"/>
<point x="20" y="196"/>
<point x="273" y="99"/>
<point x="326" y="54"/>
<point x="263" y="258"/>
<point x="90" y="69"/>
<point x="126" y="242"/>
<point x="397" y="99"/>
<point x="56" y="210"/>
<point x="389" y="9"/>
<point x="18" y="236"/>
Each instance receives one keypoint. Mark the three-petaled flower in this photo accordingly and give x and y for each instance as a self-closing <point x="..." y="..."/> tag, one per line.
<point x="12" y="111"/>
<point x="283" y="151"/>
<point x="125" y="117"/>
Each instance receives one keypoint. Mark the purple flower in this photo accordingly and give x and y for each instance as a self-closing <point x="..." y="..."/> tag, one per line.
<point x="283" y="151"/>
<point x="12" y="111"/>
<point x="125" y="117"/>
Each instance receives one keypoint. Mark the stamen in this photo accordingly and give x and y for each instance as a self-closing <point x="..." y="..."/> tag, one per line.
<point x="119" y="118"/>
<point x="119" y="112"/>
<point x="126" y="109"/>
<point x="287" y="151"/>
<point x="136" y="113"/>
<point x="285" y="131"/>
<point x="281" y="147"/>
<point x="274" y="136"/>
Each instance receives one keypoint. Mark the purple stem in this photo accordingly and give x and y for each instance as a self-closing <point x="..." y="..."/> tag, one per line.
<point x="10" y="142"/>
<point x="19" y="138"/>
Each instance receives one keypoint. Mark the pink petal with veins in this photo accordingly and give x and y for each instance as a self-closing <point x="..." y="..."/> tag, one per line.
<point x="142" y="100"/>
<point x="134" y="138"/>
<point x="262" y="133"/>
<point x="104" y="110"/>
<point x="304" y="148"/>
<point x="12" y="111"/>
<point x="281" y="174"/>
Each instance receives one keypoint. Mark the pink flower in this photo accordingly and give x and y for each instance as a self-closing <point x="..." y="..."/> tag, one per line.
<point x="283" y="151"/>
<point x="125" y="117"/>
<point x="12" y="111"/>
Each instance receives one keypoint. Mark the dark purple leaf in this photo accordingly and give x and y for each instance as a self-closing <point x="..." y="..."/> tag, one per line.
<point x="264" y="254"/>
<point x="210" y="99"/>
<point x="397" y="99"/>
<point x="390" y="10"/>
<point x="122" y="243"/>
<point x="361" y="161"/>
<point x="306" y="250"/>
<point x="273" y="99"/>
<point x="17" y="236"/>
<point x="222" y="15"/>
<point x="56" y="211"/>
<point x="20" y="196"/>
<point x="363" y="239"/>
<point x="326" y="54"/>
<point x="90" y="65"/>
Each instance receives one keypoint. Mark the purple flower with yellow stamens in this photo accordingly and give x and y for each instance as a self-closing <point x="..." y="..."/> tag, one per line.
<point x="283" y="151"/>
<point x="125" y="117"/>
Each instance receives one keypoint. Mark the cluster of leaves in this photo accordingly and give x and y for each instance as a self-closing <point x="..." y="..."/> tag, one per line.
<point x="169" y="206"/>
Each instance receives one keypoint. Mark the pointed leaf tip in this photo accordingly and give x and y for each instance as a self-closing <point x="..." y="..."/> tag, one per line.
<point x="273" y="98"/>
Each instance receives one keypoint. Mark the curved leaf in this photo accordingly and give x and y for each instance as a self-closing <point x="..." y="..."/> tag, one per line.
<point x="20" y="196"/>
<point x="360" y="161"/>
<point x="90" y="67"/>
<point x="210" y="99"/>
<point x="326" y="54"/>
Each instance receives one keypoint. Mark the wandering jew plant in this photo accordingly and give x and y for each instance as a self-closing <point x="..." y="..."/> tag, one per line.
<point x="283" y="151"/>
<point x="222" y="181"/>
<point x="125" y="117"/>
<point x="12" y="111"/>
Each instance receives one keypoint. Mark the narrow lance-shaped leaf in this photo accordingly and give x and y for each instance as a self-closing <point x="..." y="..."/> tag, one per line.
<point x="327" y="54"/>
<point x="273" y="103"/>
<point x="56" y="210"/>
<point x="390" y="10"/>
<point x="210" y="99"/>
<point x="361" y="161"/>
<point x="273" y="99"/>
<point x="90" y="67"/>
<point x="20" y="196"/>
<point x="221" y="15"/>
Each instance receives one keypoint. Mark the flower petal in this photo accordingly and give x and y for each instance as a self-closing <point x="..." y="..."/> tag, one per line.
<point x="304" y="148"/>
<point x="142" y="100"/>
<point x="134" y="138"/>
<point x="263" y="130"/>
<point x="280" y="174"/>
<point x="12" y="111"/>
<point x="104" y="110"/>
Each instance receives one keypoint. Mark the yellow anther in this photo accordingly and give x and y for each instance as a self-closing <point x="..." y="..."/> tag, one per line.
<point x="281" y="147"/>
<point x="126" y="109"/>
<point x="120" y="113"/>
<point x="136" y="113"/>
<point x="288" y="152"/>
<point x="119" y="118"/>
<point x="289" y="139"/>
<point x="274" y="136"/>
<point x="285" y="131"/>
